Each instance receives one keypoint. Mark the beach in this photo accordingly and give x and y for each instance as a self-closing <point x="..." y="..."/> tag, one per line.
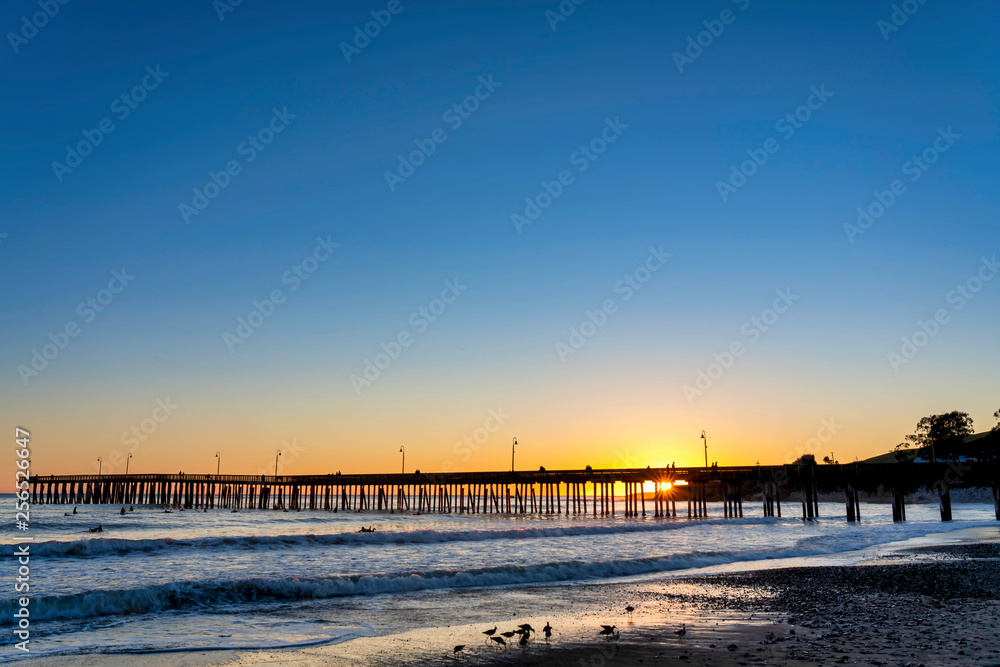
<point x="928" y="606"/>
<point x="935" y="605"/>
<point x="204" y="588"/>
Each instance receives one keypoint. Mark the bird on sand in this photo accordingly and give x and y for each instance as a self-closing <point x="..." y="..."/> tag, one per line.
<point x="628" y="610"/>
<point x="489" y="633"/>
<point x="508" y="635"/>
<point x="499" y="641"/>
<point x="524" y="639"/>
<point x="547" y="630"/>
<point x="682" y="631"/>
<point x="526" y="626"/>
<point x="608" y="629"/>
<point x="459" y="649"/>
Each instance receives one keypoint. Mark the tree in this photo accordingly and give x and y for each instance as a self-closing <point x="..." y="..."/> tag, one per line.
<point x="987" y="446"/>
<point x="938" y="437"/>
<point x="829" y="461"/>
<point x="805" y="460"/>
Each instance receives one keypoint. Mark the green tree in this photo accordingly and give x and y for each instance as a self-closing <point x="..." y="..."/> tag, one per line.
<point x="805" y="460"/>
<point x="938" y="437"/>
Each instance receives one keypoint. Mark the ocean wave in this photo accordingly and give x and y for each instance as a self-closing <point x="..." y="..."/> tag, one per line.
<point x="196" y="595"/>
<point x="111" y="546"/>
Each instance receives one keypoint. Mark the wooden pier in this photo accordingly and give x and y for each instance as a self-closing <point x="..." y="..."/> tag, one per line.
<point x="566" y="492"/>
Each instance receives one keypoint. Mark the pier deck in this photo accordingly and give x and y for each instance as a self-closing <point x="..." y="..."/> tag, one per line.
<point x="569" y="492"/>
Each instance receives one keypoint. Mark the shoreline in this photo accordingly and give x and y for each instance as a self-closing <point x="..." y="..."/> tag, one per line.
<point x="916" y="604"/>
<point x="930" y="605"/>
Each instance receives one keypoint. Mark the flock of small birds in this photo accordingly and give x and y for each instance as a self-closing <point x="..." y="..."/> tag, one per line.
<point x="525" y="631"/>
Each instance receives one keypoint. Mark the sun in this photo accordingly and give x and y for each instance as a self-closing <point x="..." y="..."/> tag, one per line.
<point x="649" y="487"/>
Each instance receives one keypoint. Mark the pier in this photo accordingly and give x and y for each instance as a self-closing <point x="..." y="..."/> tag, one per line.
<point x="571" y="493"/>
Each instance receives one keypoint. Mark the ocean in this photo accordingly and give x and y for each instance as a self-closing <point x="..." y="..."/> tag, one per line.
<point x="192" y="580"/>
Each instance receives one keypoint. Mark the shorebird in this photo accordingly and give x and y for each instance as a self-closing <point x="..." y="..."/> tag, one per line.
<point x="628" y="610"/>
<point x="547" y="630"/>
<point x="499" y="641"/>
<point x="524" y="639"/>
<point x="489" y="633"/>
<point x="459" y="649"/>
<point x="508" y="635"/>
<point x="608" y="629"/>
<point x="527" y="626"/>
<point x="682" y="631"/>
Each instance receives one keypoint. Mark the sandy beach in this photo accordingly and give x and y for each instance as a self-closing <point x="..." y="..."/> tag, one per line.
<point x="926" y="606"/>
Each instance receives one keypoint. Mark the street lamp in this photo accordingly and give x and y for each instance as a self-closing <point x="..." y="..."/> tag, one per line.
<point x="512" y="455"/>
<point x="705" y="438"/>
<point x="126" y="464"/>
<point x="218" y="463"/>
<point x="99" y="466"/>
<point x="402" y="450"/>
<point x="276" y="463"/>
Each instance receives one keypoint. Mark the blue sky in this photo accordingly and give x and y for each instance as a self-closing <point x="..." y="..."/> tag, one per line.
<point x="323" y="176"/>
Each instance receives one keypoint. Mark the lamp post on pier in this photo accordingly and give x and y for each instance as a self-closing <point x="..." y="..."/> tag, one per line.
<point x="512" y="455"/>
<point x="705" y="438"/>
<point x="402" y="450"/>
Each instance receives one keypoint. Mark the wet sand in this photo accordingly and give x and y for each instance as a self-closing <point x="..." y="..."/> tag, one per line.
<point x="931" y="606"/>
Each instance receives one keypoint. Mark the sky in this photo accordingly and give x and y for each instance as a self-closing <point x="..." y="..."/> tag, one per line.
<point x="599" y="228"/>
